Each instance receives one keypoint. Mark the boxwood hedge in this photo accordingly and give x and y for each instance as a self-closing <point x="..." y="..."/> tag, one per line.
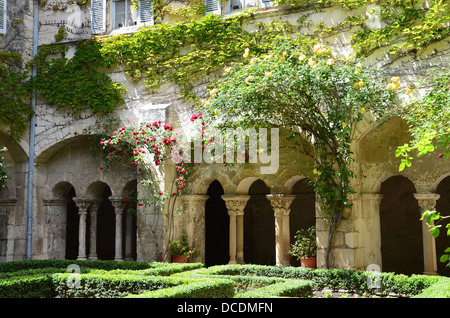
<point x="106" y="279"/>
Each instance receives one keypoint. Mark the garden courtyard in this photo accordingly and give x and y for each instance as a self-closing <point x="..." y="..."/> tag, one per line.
<point x="110" y="279"/>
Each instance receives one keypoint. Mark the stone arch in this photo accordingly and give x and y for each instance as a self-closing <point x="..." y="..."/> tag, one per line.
<point x="401" y="230"/>
<point x="63" y="222"/>
<point x="443" y="206"/>
<point x="100" y="192"/>
<point x="259" y="225"/>
<point x="217" y="224"/>
<point x="245" y="184"/>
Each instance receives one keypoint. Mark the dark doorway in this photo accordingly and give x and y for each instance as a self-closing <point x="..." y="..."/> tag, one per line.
<point x="106" y="227"/>
<point x="401" y="228"/>
<point x="217" y="225"/>
<point x="443" y="241"/>
<point x="303" y="211"/>
<point x="259" y="227"/>
<point x="72" y="225"/>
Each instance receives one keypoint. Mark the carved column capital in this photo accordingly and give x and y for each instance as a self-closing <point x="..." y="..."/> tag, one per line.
<point x="427" y="201"/>
<point x="118" y="205"/>
<point x="281" y="203"/>
<point x="235" y="203"/>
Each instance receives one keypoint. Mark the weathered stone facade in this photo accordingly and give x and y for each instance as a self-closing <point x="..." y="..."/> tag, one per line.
<point x="73" y="200"/>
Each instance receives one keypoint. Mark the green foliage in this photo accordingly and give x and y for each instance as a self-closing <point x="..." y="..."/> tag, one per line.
<point x="433" y="219"/>
<point x="15" y="108"/>
<point x="287" y="288"/>
<point x="182" y="248"/>
<point x="76" y="83"/>
<point x="106" y="279"/>
<point x="404" y="26"/>
<point x="428" y="118"/>
<point x="318" y="99"/>
<point x="304" y="243"/>
<point x="198" y="288"/>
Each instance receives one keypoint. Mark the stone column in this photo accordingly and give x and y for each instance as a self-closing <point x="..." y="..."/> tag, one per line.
<point x="235" y="205"/>
<point x="118" y="205"/>
<point x="128" y="236"/>
<point x="93" y="212"/>
<point x="427" y="201"/>
<point x="368" y="225"/>
<point x="195" y="213"/>
<point x="281" y="206"/>
<point x="83" y="206"/>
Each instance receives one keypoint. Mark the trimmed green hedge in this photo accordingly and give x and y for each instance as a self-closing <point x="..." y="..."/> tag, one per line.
<point x="103" y="279"/>
<point x="336" y="279"/>
<point x="196" y="288"/>
<point x="287" y="288"/>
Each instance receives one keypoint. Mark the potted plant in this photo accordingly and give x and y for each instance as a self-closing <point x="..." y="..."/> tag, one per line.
<point x="181" y="251"/>
<point x="305" y="247"/>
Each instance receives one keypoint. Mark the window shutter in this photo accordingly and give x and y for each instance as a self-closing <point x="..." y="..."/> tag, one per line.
<point x="145" y="12"/>
<point x="212" y="6"/>
<point x="98" y="16"/>
<point x="267" y="3"/>
<point x="2" y="16"/>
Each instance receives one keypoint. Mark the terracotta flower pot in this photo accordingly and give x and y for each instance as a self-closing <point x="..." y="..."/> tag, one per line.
<point x="309" y="262"/>
<point x="179" y="259"/>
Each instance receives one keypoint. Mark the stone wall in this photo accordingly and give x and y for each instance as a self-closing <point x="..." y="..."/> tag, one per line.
<point x="62" y="157"/>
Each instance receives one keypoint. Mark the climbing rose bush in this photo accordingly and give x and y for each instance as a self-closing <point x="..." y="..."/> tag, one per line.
<point x="146" y="147"/>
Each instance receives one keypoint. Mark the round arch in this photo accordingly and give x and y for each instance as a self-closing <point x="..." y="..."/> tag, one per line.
<point x="259" y="225"/>
<point x="401" y="229"/>
<point x="217" y="225"/>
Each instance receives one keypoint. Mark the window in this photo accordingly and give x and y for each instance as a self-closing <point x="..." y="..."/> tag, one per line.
<point x="238" y="5"/>
<point x="123" y="14"/>
<point x="212" y="6"/>
<point x="98" y="18"/>
<point x="2" y="16"/>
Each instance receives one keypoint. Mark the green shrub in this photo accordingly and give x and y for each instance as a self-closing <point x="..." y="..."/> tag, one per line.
<point x="441" y="289"/>
<point x="287" y="288"/>
<point x="107" y="286"/>
<point x="199" y="288"/>
<point x="36" y="286"/>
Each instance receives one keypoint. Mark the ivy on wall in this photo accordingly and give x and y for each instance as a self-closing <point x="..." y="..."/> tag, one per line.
<point x="402" y="26"/>
<point x="76" y="83"/>
<point x="15" y="95"/>
<point x="185" y="53"/>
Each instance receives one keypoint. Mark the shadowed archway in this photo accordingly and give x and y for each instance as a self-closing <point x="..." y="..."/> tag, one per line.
<point x="443" y="241"/>
<point x="217" y="225"/>
<point x="259" y="226"/>
<point x="401" y="228"/>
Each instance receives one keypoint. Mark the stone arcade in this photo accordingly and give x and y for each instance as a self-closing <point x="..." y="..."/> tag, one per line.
<point x="235" y="215"/>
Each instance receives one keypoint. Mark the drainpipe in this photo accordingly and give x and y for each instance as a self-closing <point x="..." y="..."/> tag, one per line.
<point x="32" y="133"/>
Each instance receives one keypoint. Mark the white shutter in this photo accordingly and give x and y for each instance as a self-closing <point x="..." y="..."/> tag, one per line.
<point x="98" y="16"/>
<point x="145" y="12"/>
<point x="212" y="6"/>
<point x="2" y="16"/>
<point x="267" y="3"/>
